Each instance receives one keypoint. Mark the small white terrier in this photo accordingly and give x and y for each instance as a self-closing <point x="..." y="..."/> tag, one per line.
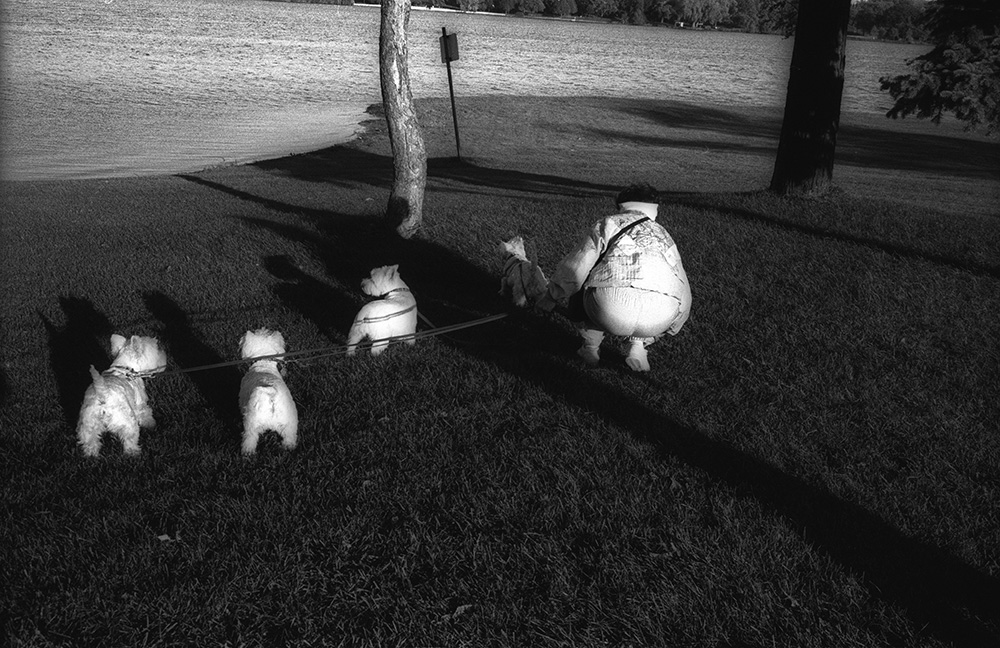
<point x="265" y="400"/>
<point x="116" y="402"/>
<point x="392" y="314"/>
<point x="521" y="280"/>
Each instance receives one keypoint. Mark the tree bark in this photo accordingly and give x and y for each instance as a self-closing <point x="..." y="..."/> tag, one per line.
<point x="804" y="164"/>
<point x="409" y="156"/>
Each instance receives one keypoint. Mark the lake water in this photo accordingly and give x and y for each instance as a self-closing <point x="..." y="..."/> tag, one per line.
<point x="101" y="88"/>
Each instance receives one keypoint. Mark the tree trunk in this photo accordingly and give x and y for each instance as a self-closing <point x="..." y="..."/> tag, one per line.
<point x="804" y="164"/>
<point x="409" y="156"/>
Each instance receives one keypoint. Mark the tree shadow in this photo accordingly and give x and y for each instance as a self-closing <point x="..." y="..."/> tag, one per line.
<point x="219" y="387"/>
<point x="970" y="266"/>
<point x="330" y="309"/>
<point x="4" y="387"/>
<point x="83" y="341"/>
<point x="347" y="165"/>
<point x="857" y="145"/>
<point x="942" y="595"/>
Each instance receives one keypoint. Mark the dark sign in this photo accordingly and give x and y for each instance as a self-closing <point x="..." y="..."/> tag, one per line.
<point x="449" y="48"/>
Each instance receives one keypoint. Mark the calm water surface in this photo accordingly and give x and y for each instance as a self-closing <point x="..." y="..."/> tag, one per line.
<point x="101" y="88"/>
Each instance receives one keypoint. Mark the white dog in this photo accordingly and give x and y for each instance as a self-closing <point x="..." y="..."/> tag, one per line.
<point x="521" y="280"/>
<point x="392" y="314"/>
<point x="265" y="400"/>
<point x="116" y="402"/>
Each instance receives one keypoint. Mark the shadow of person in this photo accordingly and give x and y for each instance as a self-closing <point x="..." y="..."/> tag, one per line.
<point x="219" y="387"/>
<point x="81" y="342"/>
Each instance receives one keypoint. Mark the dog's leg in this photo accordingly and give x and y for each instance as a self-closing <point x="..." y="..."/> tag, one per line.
<point x="129" y="434"/>
<point x="379" y="347"/>
<point x="356" y="334"/>
<point x="88" y="433"/>
<point x="146" y="419"/>
<point x="289" y="436"/>
<point x="250" y="435"/>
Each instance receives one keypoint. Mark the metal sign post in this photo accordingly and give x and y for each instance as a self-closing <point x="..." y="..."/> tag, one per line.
<point x="449" y="53"/>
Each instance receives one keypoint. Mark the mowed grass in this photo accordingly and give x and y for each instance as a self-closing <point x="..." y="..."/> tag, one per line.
<point x="813" y="461"/>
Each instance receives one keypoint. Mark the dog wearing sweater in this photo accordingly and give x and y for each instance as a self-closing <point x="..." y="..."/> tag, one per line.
<point x="393" y="313"/>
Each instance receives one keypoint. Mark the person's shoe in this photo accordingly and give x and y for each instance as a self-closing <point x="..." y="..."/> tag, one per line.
<point x="590" y="355"/>
<point x="636" y="359"/>
<point x="591" y="349"/>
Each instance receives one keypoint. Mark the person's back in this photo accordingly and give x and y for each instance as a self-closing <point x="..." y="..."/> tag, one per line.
<point x="626" y="278"/>
<point x="646" y="257"/>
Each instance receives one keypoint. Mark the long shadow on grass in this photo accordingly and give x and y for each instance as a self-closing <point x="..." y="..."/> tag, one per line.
<point x="330" y="309"/>
<point x="73" y="348"/>
<point x="343" y="165"/>
<point x="942" y="595"/>
<point x="966" y="265"/>
<point x="858" y="145"/>
<point x="219" y="386"/>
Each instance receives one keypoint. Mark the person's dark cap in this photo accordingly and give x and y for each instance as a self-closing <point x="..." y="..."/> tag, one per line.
<point x="641" y="192"/>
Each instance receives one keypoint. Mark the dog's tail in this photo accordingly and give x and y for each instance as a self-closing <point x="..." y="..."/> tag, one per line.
<point x="99" y="384"/>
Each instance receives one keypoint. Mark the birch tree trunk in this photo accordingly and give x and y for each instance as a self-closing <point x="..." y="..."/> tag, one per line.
<point x="804" y="164"/>
<point x="409" y="156"/>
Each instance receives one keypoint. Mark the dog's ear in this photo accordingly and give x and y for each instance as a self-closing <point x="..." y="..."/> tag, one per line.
<point x="117" y="344"/>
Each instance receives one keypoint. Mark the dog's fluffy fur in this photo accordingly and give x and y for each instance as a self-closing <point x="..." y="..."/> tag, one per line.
<point x="265" y="400"/>
<point x="393" y="313"/>
<point x="116" y="401"/>
<point x="521" y="280"/>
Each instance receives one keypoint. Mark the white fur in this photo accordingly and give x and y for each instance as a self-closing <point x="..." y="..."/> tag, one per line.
<point x="265" y="400"/>
<point x="392" y="314"/>
<point x="116" y="402"/>
<point x="521" y="280"/>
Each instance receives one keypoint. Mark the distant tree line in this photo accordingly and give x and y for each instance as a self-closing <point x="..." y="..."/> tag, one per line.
<point x="880" y="19"/>
<point x="890" y="20"/>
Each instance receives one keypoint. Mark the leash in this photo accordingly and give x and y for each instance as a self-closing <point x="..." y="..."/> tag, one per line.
<point x="323" y="352"/>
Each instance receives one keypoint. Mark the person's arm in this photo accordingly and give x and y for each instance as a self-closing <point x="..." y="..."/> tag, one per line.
<point x="573" y="270"/>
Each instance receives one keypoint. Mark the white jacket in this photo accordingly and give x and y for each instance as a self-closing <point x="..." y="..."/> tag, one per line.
<point x="645" y="257"/>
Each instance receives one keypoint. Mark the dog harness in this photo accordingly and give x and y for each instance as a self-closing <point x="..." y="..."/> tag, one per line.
<point x="127" y="372"/>
<point x="122" y="372"/>
<point x="383" y="318"/>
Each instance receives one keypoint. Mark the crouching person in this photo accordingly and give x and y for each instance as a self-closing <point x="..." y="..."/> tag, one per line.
<point x="624" y="279"/>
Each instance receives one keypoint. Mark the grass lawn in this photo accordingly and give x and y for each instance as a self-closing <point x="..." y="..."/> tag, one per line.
<point x="813" y="461"/>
